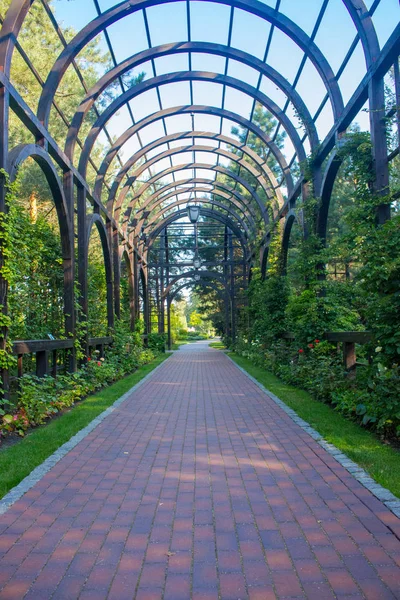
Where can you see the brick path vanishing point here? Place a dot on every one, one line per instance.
(198, 487)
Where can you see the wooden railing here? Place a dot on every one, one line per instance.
(44, 349)
(348, 341)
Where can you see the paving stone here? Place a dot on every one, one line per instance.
(199, 485)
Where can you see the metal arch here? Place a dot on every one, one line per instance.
(208, 213)
(138, 222)
(247, 215)
(211, 182)
(184, 166)
(180, 76)
(16, 157)
(95, 219)
(264, 252)
(331, 171)
(210, 274)
(184, 47)
(201, 109)
(14, 19)
(127, 7)
(269, 176)
(208, 150)
(177, 193)
(201, 201)
(365, 29)
(290, 219)
(182, 150)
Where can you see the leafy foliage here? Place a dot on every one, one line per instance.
(308, 305)
(40, 398)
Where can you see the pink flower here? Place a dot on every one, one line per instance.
(317, 341)
(311, 345)
(89, 358)
(15, 418)
(301, 351)
(99, 363)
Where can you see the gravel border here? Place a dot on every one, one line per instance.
(383, 494)
(40, 471)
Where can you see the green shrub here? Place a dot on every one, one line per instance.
(39, 398)
(157, 341)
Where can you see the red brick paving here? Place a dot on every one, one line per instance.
(198, 487)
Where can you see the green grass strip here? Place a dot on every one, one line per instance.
(179, 343)
(217, 345)
(17, 461)
(381, 461)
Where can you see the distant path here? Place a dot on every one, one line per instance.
(198, 487)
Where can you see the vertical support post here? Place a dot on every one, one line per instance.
(228, 298)
(167, 281)
(376, 92)
(232, 284)
(169, 341)
(131, 290)
(396, 71)
(82, 263)
(54, 364)
(69, 270)
(4, 111)
(161, 307)
(109, 276)
(42, 363)
(157, 296)
(349, 355)
(136, 298)
(20, 365)
(114, 243)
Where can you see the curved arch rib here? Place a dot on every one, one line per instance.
(176, 151)
(266, 171)
(169, 78)
(176, 48)
(206, 166)
(128, 7)
(139, 220)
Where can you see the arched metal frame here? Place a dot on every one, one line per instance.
(196, 109)
(266, 172)
(371, 88)
(216, 189)
(96, 220)
(196, 148)
(205, 212)
(189, 166)
(198, 47)
(241, 222)
(16, 158)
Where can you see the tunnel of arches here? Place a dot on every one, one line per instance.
(196, 116)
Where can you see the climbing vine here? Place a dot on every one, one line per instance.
(7, 360)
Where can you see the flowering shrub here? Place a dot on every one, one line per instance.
(371, 396)
(39, 398)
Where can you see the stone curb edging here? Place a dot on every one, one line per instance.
(40, 471)
(383, 494)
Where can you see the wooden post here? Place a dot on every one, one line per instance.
(54, 364)
(42, 363)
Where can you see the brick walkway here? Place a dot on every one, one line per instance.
(198, 487)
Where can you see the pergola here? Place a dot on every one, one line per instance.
(138, 202)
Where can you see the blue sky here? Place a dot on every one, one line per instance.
(210, 23)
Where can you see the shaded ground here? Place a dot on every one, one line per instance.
(199, 487)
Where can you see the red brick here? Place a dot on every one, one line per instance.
(211, 460)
